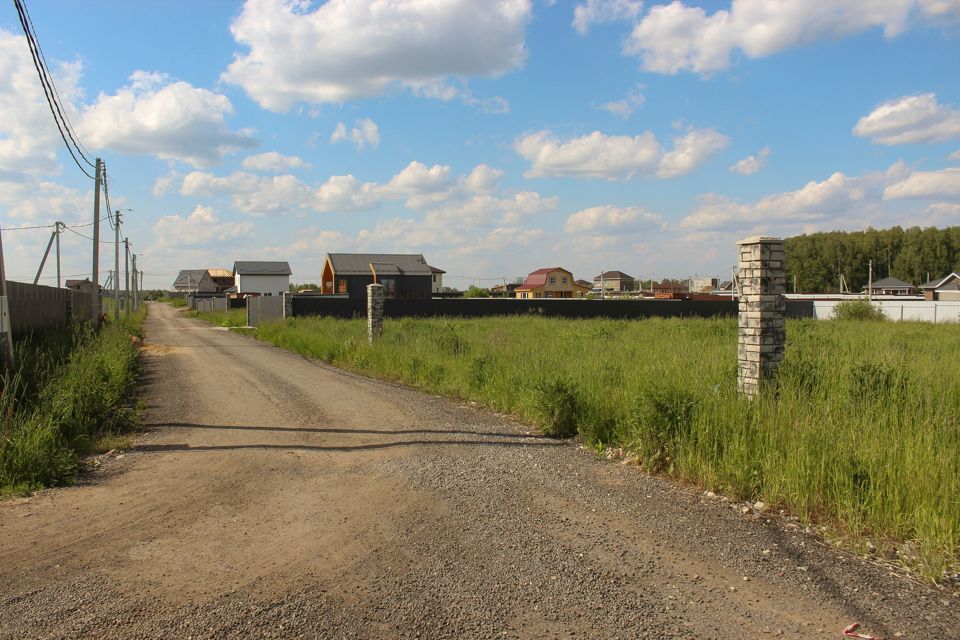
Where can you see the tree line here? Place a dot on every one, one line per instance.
(913, 255)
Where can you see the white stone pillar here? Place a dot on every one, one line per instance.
(763, 310)
(374, 312)
(287, 305)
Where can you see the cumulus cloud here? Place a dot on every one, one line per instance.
(346, 193)
(162, 185)
(172, 120)
(250, 193)
(43, 200)
(483, 179)
(597, 155)
(273, 161)
(910, 120)
(751, 164)
(944, 183)
(485, 210)
(625, 107)
(597, 11)
(954, 156)
(610, 219)
(200, 227)
(675, 37)
(343, 51)
(364, 133)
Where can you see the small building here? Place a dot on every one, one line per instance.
(216, 281)
(551, 282)
(403, 275)
(584, 283)
(80, 285)
(437, 282)
(945, 288)
(188, 280)
(890, 287)
(504, 290)
(614, 281)
(260, 277)
(701, 284)
(669, 290)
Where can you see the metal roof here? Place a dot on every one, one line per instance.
(891, 283)
(261, 268)
(189, 277)
(613, 275)
(538, 278)
(356, 264)
(939, 282)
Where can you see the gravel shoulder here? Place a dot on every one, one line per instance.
(275, 496)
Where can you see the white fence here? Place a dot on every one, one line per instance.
(908, 310)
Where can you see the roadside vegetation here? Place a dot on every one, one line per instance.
(176, 302)
(68, 395)
(862, 435)
(230, 318)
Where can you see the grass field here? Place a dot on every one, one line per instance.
(231, 318)
(863, 434)
(66, 396)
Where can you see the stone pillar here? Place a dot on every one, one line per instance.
(763, 309)
(287, 305)
(374, 311)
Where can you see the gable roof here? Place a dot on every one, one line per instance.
(891, 283)
(612, 275)
(939, 282)
(189, 277)
(220, 273)
(358, 264)
(538, 278)
(261, 268)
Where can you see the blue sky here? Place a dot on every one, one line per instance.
(494, 137)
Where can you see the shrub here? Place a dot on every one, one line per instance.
(857, 310)
(559, 404)
(661, 417)
(476, 292)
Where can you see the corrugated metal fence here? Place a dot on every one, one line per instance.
(35, 307)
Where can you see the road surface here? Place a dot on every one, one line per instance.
(274, 496)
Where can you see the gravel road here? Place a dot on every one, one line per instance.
(277, 497)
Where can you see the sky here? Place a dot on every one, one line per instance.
(495, 137)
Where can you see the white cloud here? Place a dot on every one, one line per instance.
(606, 219)
(42, 200)
(910, 120)
(944, 183)
(676, 37)
(364, 133)
(597, 11)
(751, 164)
(597, 155)
(483, 179)
(484, 210)
(201, 227)
(954, 156)
(346, 193)
(253, 194)
(625, 108)
(169, 120)
(163, 184)
(344, 51)
(273, 161)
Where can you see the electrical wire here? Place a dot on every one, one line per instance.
(47, 83)
(71, 230)
(41, 226)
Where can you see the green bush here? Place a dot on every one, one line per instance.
(857, 310)
(559, 404)
(660, 419)
(474, 291)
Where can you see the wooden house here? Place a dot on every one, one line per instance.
(551, 282)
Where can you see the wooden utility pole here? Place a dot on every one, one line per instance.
(43, 260)
(116, 268)
(136, 299)
(6, 349)
(126, 273)
(59, 228)
(95, 278)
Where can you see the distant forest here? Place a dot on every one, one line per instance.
(912, 255)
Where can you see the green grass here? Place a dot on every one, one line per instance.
(230, 318)
(176, 302)
(67, 396)
(863, 434)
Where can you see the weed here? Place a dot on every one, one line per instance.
(559, 404)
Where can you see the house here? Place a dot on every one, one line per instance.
(80, 285)
(890, 287)
(504, 290)
(552, 282)
(614, 281)
(216, 281)
(702, 284)
(668, 290)
(437, 282)
(946, 288)
(188, 280)
(583, 283)
(402, 275)
(264, 278)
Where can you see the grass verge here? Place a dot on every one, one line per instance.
(230, 318)
(67, 396)
(862, 435)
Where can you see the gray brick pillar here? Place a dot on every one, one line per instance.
(763, 310)
(287, 305)
(374, 311)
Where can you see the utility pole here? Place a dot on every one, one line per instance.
(6, 349)
(59, 227)
(126, 271)
(116, 268)
(95, 277)
(136, 301)
(141, 280)
(43, 260)
(870, 281)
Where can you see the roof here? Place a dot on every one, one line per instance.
(613, 275)
(189, 277)
(583, 283)
(436, 270)
(356, 264)
(220, 273)
(538, 278)
(261, 268)
(671, 286)
(939, 282)
(891, 283)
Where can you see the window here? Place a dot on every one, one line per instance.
(342, 285)
(434, 277)
(563, 280)
(553, 279)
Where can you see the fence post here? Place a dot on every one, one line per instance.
(762, 312)
(287, 304)
(374, 311)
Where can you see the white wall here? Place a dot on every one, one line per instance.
(916, 310)
(437, 283)
(275, 285)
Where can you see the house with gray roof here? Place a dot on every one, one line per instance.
(188, 280)
(403, 275)
(945, 288)
(261, 277)
(890, 287)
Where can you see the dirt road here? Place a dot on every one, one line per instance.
(278, 497)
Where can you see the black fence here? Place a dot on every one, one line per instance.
(341, 307)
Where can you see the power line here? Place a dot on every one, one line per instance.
(49, 90)
(71, 230)
(41, 226)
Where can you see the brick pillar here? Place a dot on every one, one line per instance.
(374, 311)
(763, 308)
(287, 305)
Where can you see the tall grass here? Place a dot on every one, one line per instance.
(862, 432)
(228, 318)
(68, 388)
